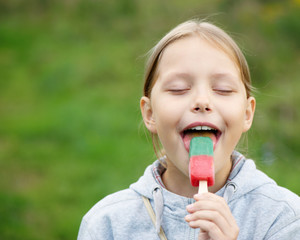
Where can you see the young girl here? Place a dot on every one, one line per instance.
(197, 82)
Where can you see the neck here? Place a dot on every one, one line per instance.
(179, 185)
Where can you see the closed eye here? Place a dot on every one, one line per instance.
(178, 91)
(224, 91)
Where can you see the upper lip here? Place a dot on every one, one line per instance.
(196, 124)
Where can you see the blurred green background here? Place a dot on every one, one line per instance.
(70, 82)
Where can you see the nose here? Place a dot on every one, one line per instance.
(201, 103)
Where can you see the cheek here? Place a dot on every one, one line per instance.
(236, 118)
(164, 120)
(167, 116)
(234, 114)
(166, 112)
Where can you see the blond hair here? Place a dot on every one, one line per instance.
(208, 32)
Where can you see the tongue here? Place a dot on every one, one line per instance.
(188, 137)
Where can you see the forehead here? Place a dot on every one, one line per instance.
(194, 51)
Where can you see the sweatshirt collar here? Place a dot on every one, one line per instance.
(238, 161)
(241, 178)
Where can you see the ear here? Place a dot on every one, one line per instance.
(249, 114)
(147, 113)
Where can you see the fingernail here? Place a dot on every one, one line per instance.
(198, 195)
(188, 217)
(189, 207)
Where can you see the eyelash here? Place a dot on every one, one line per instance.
(223, 91)
(178, 91)
(184, 90)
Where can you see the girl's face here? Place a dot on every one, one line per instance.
(197, 85)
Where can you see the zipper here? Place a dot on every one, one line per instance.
(192, 232)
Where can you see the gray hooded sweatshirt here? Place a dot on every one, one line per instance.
(262, 209)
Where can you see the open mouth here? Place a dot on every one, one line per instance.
(200, 131)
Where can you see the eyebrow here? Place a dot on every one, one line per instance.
(217, 76)
(171, 76)
(225, 75)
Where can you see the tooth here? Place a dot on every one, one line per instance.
(199, 128)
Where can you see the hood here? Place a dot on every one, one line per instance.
(244, 177)
(146, 184)
(151, 187)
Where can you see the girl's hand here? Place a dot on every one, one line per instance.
(212, 215)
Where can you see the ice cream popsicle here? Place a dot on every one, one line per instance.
(201, 166)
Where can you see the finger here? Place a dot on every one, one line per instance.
(213, 208)
(212, 231)
(211, 217)
(214, 217)
(203, 236)
(208, 198)
(209, 201)
(216, 226)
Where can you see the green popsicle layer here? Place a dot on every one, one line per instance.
(201, 146)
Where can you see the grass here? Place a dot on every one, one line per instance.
(70, 83)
